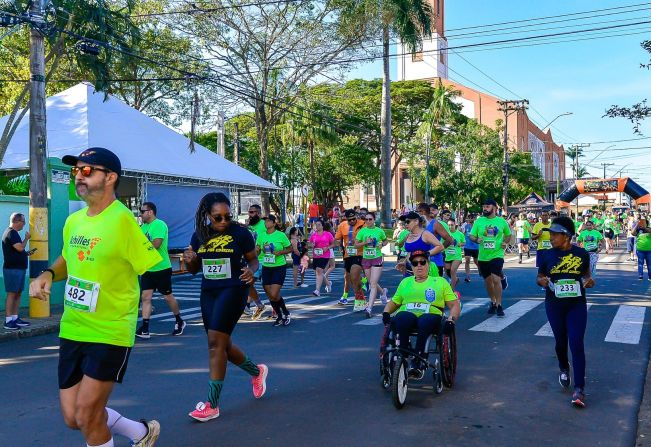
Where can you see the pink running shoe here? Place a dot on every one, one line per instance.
(260, 382)
(204, 412)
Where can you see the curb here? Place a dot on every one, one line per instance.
(643, 437)
(46, 328)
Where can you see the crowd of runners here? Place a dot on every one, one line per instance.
(105, 252)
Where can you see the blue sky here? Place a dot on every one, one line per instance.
(583, 77)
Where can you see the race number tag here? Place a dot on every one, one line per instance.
(351, 250)
(489, 245)
(269, 259)
(567, 288)
(591, 246)
(80, 294)
(217, 268)
(451, 251)
(418, 307)
(318, 252)
(370, 252)
(546, 244)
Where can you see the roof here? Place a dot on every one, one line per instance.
(79, 118)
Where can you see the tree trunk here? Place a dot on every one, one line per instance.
(263, 140)
(385, 129)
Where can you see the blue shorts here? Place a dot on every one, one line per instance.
(630, 244)
(222, 308)
(14, 280)
(274, 275)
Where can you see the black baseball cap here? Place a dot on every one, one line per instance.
(563, 225)
(96, 156)
(411, 215)
(490, 202)
(271, 217)
(418, 254)
(350, 213)
(445, 211)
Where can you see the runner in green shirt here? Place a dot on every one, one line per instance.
(103, 253)
(522, 235)
(371, 239)
(490, 231)
(159, 277)
(256, 226)
(454, 253)
(591, 240)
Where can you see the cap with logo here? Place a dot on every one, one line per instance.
(96, 156)
(411, 215)
(418, 254)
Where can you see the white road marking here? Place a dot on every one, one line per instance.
(627, 325)
(608, 259)
(546, 330)
(513, 313)
(515, 258)
(529, 261)
(472, 305)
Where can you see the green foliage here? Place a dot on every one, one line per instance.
(14, 185)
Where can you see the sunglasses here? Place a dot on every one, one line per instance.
(351, 219)
(419, 263)
(219, 218)
(86, 171)
(143, 211)
(369, 219)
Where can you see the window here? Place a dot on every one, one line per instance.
(418, 55)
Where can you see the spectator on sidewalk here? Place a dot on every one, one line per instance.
(14, 269)
(314, 212)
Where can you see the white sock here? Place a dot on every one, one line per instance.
(8, 319)
(119, 425)
(14, 317)
(109, 443)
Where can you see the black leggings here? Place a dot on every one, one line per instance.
(404, 323)
(568, 319)
(222, 308)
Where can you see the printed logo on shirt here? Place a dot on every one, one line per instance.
(217, 245)
(569, 264)
(85, 246)
(430, 295)
(491, 231)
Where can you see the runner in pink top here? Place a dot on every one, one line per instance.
(321, 242)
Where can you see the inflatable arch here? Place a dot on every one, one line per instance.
(625, 185)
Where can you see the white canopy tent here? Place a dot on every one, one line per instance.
(154, 157)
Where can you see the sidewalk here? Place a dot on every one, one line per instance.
(39, 326)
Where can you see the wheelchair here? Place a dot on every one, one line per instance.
(440, 359)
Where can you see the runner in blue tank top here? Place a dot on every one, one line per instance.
(418, 239)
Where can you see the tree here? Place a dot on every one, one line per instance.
(574, 152)
(637, 112)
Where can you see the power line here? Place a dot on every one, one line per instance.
(197, 10)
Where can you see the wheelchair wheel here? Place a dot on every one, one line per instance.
(449, 359)
(437, 379)
(399, 382)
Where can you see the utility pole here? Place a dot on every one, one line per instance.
(605, 165)
(221, 123)
(38, 213)
(508, 107)
(236, 144)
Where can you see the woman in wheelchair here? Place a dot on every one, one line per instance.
(420, 301)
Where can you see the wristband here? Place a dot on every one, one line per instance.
(51, 272)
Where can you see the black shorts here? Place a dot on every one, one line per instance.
(320, 263)
(99, 361)
(350, 261)
(160, 280)
(609, 233)
(523, 240)
(296, 259)
(273, 275)
(222, 308)
(492, 267)
(472, 252)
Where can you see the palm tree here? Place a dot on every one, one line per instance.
(410, 20)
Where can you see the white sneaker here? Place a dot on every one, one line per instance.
(304, 285)
(328, 287)
(384, 297)
(316, 293)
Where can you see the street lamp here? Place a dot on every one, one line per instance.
(550, 123)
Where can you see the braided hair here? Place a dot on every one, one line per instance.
(201, 220)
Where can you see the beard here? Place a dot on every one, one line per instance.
(487, 213)
(254, 220)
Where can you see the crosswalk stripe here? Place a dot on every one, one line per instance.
(529, 261)
(472, 305)
(370, 321)
(627, 325)
(167, 314)
(608, 259)
(513, 313)
(546, 330)
(515, 258)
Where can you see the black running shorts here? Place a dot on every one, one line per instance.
(222, 308)
(273, 275)
(350, 261)
(99, 361)
(160, 280)
(492, 267)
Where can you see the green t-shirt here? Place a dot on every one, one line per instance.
(454, 252)
(609, 222)
(598, 223)
(257, 229)
(104, 255)
(644, 241)
(491, 232)
(158, 230)
(590, 239)
(523, 227)
(269, 243)
(373, 249)
(424, 297)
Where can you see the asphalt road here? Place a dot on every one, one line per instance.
(324, 388)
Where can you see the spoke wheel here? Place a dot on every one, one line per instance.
(399, 383)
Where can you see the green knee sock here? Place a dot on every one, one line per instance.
(214, 390)
(250, 367)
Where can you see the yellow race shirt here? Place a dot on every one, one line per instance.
(104, 256)
(544, 241)
(424, 297)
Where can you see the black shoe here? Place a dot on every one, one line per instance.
(564, 378)
(287, 320)
(578, 398)
(499, 311)
(141, 333)
(279, 321)
(492, 308)
(467, 280)
(505, 283)
(416, 370)
(178, 328)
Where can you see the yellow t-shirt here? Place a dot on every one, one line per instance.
(427, 297)
(544, 241)
(104, 256)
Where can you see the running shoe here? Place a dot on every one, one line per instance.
(416, 370)
(11, 325)
(505, 283)
(22, 323)
(578, 398)
(384, 297)
(492, 308)
(304, 286)
(328, 287)
(248, 311)
(641, 278)
(365, 284)
(316, 293)
(499, 311)
(140, 333)
(368, 313)
(358, 306)
(259, 310)
(343, 301)
(287, 320)
(564, 378)
(279, 321)
(204, 412)
(259, 382)
(467, 280)
(153, 432)
(178, 329)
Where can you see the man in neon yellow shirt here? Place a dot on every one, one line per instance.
(543, 238)
(103, 253)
